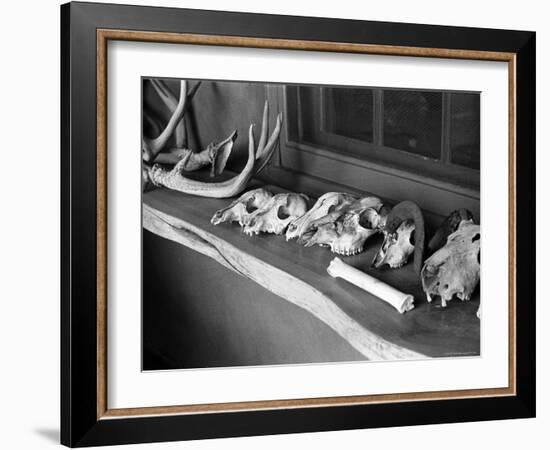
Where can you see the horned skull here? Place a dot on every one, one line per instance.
(397, 246)
(349, 232)
(403, 235)
(327, 203)
(448, 226)
(454, 268)
(275, 215)
(241, 209)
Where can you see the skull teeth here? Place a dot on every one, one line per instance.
(347, 252)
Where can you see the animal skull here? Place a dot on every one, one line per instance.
(397, 246)
(347, 234)
(355, 206)
(327, 203)
(276, 214)
(241, 209)
(454, 268)
(449, 225)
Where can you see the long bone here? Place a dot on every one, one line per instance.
(399, 300)
(257, 159)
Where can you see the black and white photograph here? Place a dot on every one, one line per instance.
(293, 258)
(299, 223)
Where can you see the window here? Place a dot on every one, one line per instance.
(431, 135)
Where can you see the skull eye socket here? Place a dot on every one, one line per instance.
(367, 219)
(411, 237)
(282, 213)
(250, 206)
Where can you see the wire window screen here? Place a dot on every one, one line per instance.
(349, 112)
(412, 122)
(465, 130)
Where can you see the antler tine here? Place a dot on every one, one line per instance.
(194, 90)
(265, 130)
(165, 94)
(151, 147)
(170, 101)
(152, 121)
(267, 152)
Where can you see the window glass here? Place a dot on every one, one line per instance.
(348, 112)
(465, 123)
(412, 122)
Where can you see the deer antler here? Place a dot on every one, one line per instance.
(257, 159)
(215, 154)
(171, 103)
(152, 147)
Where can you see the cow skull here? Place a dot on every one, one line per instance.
(454, 268)
(276, 214)
(241, 209)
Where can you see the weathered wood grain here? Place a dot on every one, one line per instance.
(277, 281)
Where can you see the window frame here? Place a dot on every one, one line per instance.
(416, 165)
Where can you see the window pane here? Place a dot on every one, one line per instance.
(465, 119)
(412, 122)
(348, 112)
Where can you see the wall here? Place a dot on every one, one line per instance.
(29, 231)
(197, 313)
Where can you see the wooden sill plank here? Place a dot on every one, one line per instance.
(298, 274)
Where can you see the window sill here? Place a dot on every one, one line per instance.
(385, 168)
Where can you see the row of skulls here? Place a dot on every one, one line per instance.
(344, 222)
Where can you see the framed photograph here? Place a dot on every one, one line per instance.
(274, 224)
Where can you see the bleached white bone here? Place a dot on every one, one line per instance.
(399, 300)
